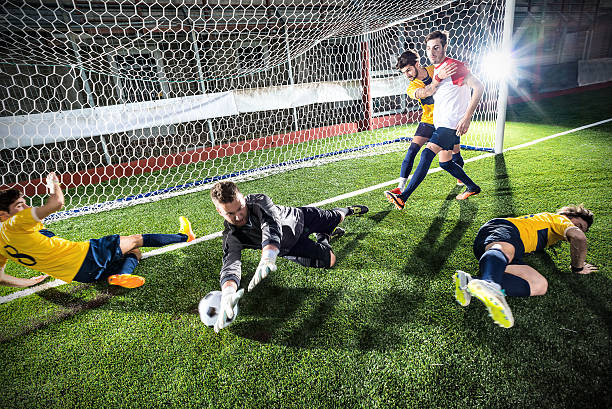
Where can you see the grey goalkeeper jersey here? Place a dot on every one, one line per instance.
(267, 224)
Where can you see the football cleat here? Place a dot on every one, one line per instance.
(126, 280)
(337, 233)
(396, 191)
(358, 210)
(460, 183)
(462, 295)
(396, 200)
(466, 194)
(494, 299)
(186, 228)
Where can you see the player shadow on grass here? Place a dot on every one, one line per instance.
(351, 240)
(572, 287)
(504, 198)
(424, 264)
(429, 256)
(303, 317)
(294, 317)
(68, 305)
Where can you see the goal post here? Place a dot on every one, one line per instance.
(132, 101)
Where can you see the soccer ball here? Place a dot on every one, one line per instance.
(209, 308)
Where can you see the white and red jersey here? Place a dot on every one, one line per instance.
(452, 98)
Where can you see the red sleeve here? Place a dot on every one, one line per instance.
(462, 72)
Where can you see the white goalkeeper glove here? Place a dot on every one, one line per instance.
(229, 299)
(266, 265)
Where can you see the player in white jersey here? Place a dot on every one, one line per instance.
(456, 99)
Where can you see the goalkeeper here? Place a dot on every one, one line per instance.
(24, 240)
(255, 222)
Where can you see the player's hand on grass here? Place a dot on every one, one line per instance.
(588, 269)
(229, 299)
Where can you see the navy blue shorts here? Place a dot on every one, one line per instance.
(499, 230)
(103, 258)
(425, 130)
(445, 138)
(315, 221)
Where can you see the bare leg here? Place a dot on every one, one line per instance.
(129, 243)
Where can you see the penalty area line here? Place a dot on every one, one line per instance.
(161, 250)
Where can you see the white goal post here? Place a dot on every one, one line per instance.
(132, 101)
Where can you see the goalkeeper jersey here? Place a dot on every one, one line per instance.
(22, 242)
(541, 230)
(427, 104)
(268, 223)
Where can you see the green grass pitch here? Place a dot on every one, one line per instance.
(380, 330)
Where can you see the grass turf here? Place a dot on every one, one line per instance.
(381, 329)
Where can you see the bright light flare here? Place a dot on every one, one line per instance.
(498, 66)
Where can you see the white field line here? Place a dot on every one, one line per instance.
(161, 250)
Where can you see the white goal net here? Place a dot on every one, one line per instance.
(132, 101)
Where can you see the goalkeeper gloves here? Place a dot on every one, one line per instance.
(229, 299)
(266, 265)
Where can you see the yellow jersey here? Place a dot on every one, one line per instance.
(541, 230)
(427, 104)
(22, 242)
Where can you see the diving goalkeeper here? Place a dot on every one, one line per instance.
(255, 222)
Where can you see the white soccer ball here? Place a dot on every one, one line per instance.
(209, 308)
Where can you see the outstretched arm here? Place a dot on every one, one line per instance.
(55, 201)
(578, 251)
(441, 74)
(10, 281)
(477, 91)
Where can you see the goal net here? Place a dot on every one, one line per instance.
(132, 101)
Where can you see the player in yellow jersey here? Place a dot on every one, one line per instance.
(500, 246)
(421, 88)
(24, 240)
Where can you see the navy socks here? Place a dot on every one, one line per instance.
(492, 266)
(515, 286)
(408, 161)
(419, 174)
(458, 159)
(458, 172)
(160, 240)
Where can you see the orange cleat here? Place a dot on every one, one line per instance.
(395, 191)
(466, 194)
(126, 280)
(395, 199)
